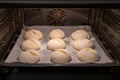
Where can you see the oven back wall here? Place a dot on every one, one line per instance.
(56, 16)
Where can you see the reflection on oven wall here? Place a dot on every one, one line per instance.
(56, 16)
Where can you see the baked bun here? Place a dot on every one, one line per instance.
(80, 34)
(57, 33)
(88, 55)
(31, 44)
(29, 56)
(80, 44)
(56, 43)
(60, 56)
(33, 34)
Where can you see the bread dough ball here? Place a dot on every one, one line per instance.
(31, 44)
(29, 56)
(88, 55)
(60, 56)
(80, 34)
(80, 44)
(31, 34)
(57, 33)
(56, 43)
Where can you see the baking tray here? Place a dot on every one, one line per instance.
(13, 56)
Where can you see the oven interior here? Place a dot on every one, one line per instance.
(104, 23)
(105, 27)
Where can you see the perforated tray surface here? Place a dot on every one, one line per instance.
(12, 57)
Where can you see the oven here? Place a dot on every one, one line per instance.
(101, 19)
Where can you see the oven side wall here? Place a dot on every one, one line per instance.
(105, 24)
(10, 27)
